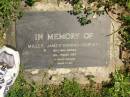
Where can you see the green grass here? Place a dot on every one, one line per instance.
(2, 40)
(119, 86)
(68, 88)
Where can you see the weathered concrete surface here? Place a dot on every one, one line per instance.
(55, 76)
(10, 36)
(49, 6)
(87, 46)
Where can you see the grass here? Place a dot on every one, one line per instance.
(2, 40)
(117, 87)
(68, 88)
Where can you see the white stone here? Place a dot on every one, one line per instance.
(63, 71)
(41, 6)
(82, 69)
(101, 8)
(4, 36)
(59, 71)
(92, 4)
(52, 72)
(36, 71)
(95, 16)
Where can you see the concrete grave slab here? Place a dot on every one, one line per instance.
(56, 39)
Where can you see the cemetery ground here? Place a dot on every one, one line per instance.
(118, 84)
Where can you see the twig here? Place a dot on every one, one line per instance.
(120, 29)
(115, 32)
(111, 16)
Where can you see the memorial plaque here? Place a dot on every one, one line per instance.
(56, 39)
